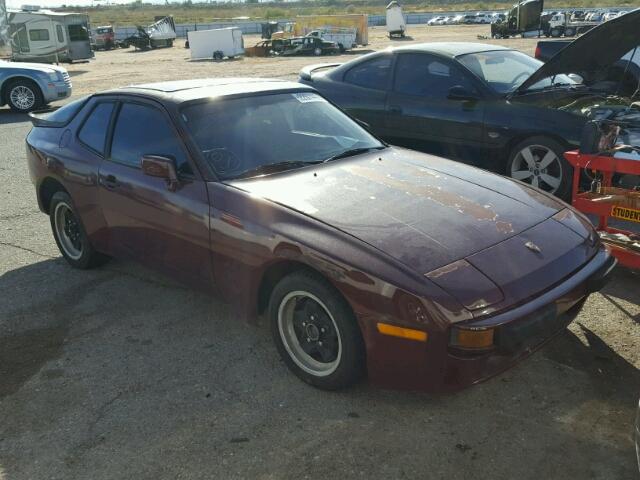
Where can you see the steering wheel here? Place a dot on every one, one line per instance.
(222, 160)
(521, 74)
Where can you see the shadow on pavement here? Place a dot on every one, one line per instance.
(7, 116)
(119, 373)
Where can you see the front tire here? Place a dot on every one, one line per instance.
(317, 52)
(539, 161)
(316, 332)
(24, 96)
(70, 235)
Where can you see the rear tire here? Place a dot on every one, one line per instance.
(24, 96)
(70, 235)
(317, 52)
(539, 161)
(316, 332)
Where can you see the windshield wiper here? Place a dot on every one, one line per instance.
(352, 152)
(572, 86)
(274, 167)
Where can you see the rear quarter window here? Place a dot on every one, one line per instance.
(374, 73)
(93, 132)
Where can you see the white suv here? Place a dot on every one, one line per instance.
(483, 18)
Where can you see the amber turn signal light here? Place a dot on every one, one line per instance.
(395, 331)
(472, 339)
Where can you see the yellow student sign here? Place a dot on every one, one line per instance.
(624, 213)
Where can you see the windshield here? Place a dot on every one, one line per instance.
(505, 70)
(241, 135)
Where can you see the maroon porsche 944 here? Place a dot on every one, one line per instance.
(367, 259)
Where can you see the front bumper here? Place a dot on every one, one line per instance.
(58, 90)
(434, 367)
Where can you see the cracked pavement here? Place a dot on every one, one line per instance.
(119, 373)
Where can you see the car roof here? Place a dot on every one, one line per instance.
(449, 49)
(184, 90)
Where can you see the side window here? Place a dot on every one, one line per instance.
(40, 34)
(60, 34)
(372, 74)
(94, 130)
(143, 130)
(427, 76)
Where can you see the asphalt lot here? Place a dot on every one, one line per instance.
(119, 373)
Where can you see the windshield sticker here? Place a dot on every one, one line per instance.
(308, 97)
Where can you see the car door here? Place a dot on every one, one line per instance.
(363, 91)
(423, 114)
(166, 229)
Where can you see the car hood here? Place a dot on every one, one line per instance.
(582, 102)
(424, 211)
(594, 51)
(38, 67)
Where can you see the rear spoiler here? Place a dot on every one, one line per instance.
(306, 72)
(39, 117)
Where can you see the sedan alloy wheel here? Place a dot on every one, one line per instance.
(22, 97)
(539, 166)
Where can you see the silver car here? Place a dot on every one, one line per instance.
(31, 86)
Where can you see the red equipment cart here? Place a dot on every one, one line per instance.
(609, 202)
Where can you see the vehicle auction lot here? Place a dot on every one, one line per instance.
(121, 373)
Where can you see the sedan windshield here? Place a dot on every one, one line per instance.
(505, 70)
(255, 135)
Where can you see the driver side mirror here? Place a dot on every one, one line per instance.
(458, 92)
(161, 167)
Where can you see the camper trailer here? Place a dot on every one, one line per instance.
(396, 25)
(44, 36)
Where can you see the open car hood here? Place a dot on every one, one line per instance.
(594, 51)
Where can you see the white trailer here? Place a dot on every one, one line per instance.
(44, 36)
(216, 44)
(396, 25)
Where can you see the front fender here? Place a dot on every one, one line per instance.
(250, 234)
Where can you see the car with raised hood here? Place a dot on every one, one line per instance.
(31, 86)
(366, 258)
(487, 105)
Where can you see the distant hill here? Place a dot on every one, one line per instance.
(188, 12)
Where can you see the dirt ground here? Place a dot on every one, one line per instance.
(118, 68)
(118, 373)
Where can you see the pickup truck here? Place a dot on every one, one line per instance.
(344, 37)
(623, 75)
(31, 86)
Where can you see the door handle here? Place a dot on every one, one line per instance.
(110, 182)
(395, 109)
